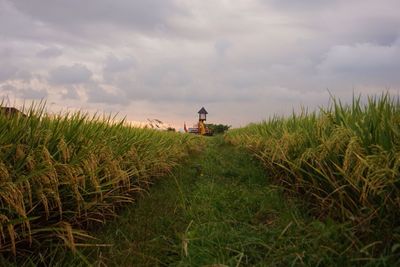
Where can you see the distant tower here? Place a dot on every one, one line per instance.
(202, 114)
(202, 118)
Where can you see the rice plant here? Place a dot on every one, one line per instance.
(61, 175)
(343, 160)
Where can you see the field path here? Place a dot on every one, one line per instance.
(218, 210)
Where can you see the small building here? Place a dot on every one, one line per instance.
(202, 114)
(11, 111)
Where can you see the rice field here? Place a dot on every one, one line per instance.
(61, 175)
(343, 161)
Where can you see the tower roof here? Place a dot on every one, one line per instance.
(202, 111)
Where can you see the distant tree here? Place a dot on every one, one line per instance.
(218, 128)
(170, 129)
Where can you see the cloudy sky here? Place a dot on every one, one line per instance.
(243, 60)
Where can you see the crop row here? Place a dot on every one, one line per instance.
(59, 175)
(344, 161)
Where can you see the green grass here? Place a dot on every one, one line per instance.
(221, 208)
(343, 162)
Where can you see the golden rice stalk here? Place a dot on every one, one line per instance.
(3, 221)
(30, 163)
(351, 154)
(19, 152)
(46, 156)
(67, 235)
(64, 150)
(43, 199)
(4, 174)
(12, 234)
(27, 190)
(11, 196)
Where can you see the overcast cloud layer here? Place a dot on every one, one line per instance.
(243, 60)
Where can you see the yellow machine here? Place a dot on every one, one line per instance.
(202, 128)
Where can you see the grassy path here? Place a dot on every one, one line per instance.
(220, 210)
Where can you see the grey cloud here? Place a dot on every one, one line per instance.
(168, 74)
(7, 72)
(23, 29)
(343, 22)
(74, 14)
(366, 63)
(5, 53)
(242, 79)
(30, 93)
(23, 75)
(168, 89)
(12, 23)
(164, 82)
(114, 64)
(74, 74)
(8, 88)
(50, 52)
(378, 29)
(183, 95)
(71, 93)
(24, 93)
(97, 94)
(265, 56)
(221, 46)
(303, 5)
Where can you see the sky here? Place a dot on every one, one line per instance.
(243, 60)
